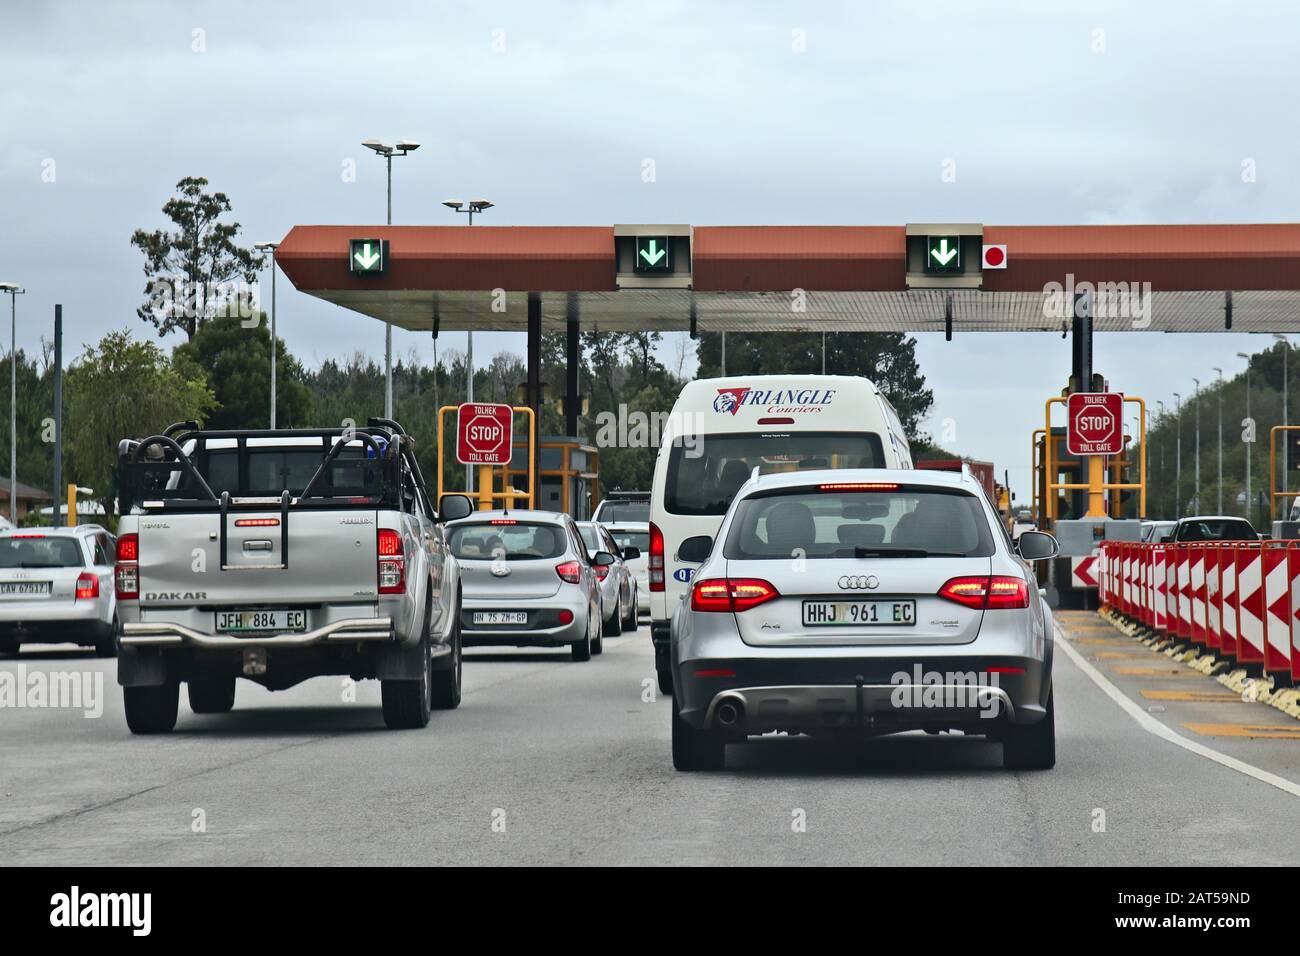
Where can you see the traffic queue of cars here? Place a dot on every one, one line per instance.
(800, 576)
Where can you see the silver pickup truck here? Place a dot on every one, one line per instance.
(278, 556)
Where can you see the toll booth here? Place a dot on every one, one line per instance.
(568, 474)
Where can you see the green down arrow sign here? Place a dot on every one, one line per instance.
(652, 255)
(942, 254)
(366, 255)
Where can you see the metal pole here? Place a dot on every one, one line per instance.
(56, 516)
(1286, 420)
(1220, 496)
(388, 326)
(823, 353)
(724, 353)
(1196, 401)
(1248, 444)
(1178, 457)
(13, 408)
(273, 341)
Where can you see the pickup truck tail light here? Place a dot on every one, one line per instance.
(987, 593)
(656, 560)
(87, 586)
(392, 563)
(570, 572)
(731, 594)
(126, 573)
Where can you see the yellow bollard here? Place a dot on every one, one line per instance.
(72, 506)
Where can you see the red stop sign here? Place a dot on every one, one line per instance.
(483, 434)
(1094, 426)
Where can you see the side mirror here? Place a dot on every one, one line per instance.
(631, 553)
(696, 549)
(1166, 539)
(1036, 545)
(454, 507)
(603, 559)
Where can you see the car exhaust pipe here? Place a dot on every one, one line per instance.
(729, 712)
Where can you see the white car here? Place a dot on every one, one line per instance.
(635, 534)
(56, 587)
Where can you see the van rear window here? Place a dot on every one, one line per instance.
(705, 474)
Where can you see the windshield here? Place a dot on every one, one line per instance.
(40, 552)
(703, 479)
(631, 539)
(623, 511)
(507, 542)
(1155, 532)
(906, 522)
(1222, 529)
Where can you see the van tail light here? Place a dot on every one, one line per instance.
(87, 586)
(126, 572)
(655, 564)
(391, 562)
(987, 593)
(570, 572)
(731, 594)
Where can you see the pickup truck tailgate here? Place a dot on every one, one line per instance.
(331, 558)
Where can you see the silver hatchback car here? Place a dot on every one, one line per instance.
(527, 581)
(862, 602)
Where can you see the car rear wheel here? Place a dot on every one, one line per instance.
(152, 710)
(696, 749)
(629, 622)
(408, 703)
(614, 626)
(446, 684)
(1031, 746)
(581, 650)
(215, 695)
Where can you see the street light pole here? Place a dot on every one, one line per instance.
(1196, 401)
(1286, 420)
(388, 151)
(471, 207)
(271, 247)
(1251, 426)
(14, 292)
(1220, 496)
(1178, 456)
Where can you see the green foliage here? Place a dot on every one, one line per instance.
(119, 389)
(195, 260)
(35, 407)
(237, 362)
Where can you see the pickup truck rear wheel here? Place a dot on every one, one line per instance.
(152, 710)
(446, 684)
(214, 695)
(407, 703)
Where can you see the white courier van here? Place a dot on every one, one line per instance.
(720, 430)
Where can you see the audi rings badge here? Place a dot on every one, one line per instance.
(859, 582)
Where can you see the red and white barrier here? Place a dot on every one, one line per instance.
(1250, 604)
(1277, 608)
(1213, 598)
(1228, 599)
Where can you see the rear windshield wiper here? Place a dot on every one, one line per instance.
(860, 552)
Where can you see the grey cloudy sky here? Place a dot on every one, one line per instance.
(549, 110)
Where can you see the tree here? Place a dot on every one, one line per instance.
(236, 360)
(123, 389)
(887, 358)
(196, 272)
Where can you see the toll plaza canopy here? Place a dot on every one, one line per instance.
(919, 277)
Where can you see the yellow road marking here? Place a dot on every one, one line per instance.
(1254, 731)
(1116, 641)
(1121, 656)
(1157, 672)
(1200, 696)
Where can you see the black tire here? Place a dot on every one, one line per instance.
(152, 710)
(614, 626)
(447, 684)
(408, 704)
(215, 695)
(696, 749)
(581, 650)
(629, 622)
(1031, 746)
(665, 681)
(106, 644)
(8, 647)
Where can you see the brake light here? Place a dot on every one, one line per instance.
(566, 617)
(731, 594)
(87, 586)
(776, 421)
(126, 573)
(716, 672)
(655, 563)
(504, 521)
(859, 486)
(570, 572)
(27, 536)
(391, 562)
(602, 571)
(985, 593)
(257, 522)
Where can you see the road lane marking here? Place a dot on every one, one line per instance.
(1120, 656)
(1180, 672)
(1153, 726)
(1198, 696)
(1253, 731)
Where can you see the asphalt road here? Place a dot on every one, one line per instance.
(551, 762)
